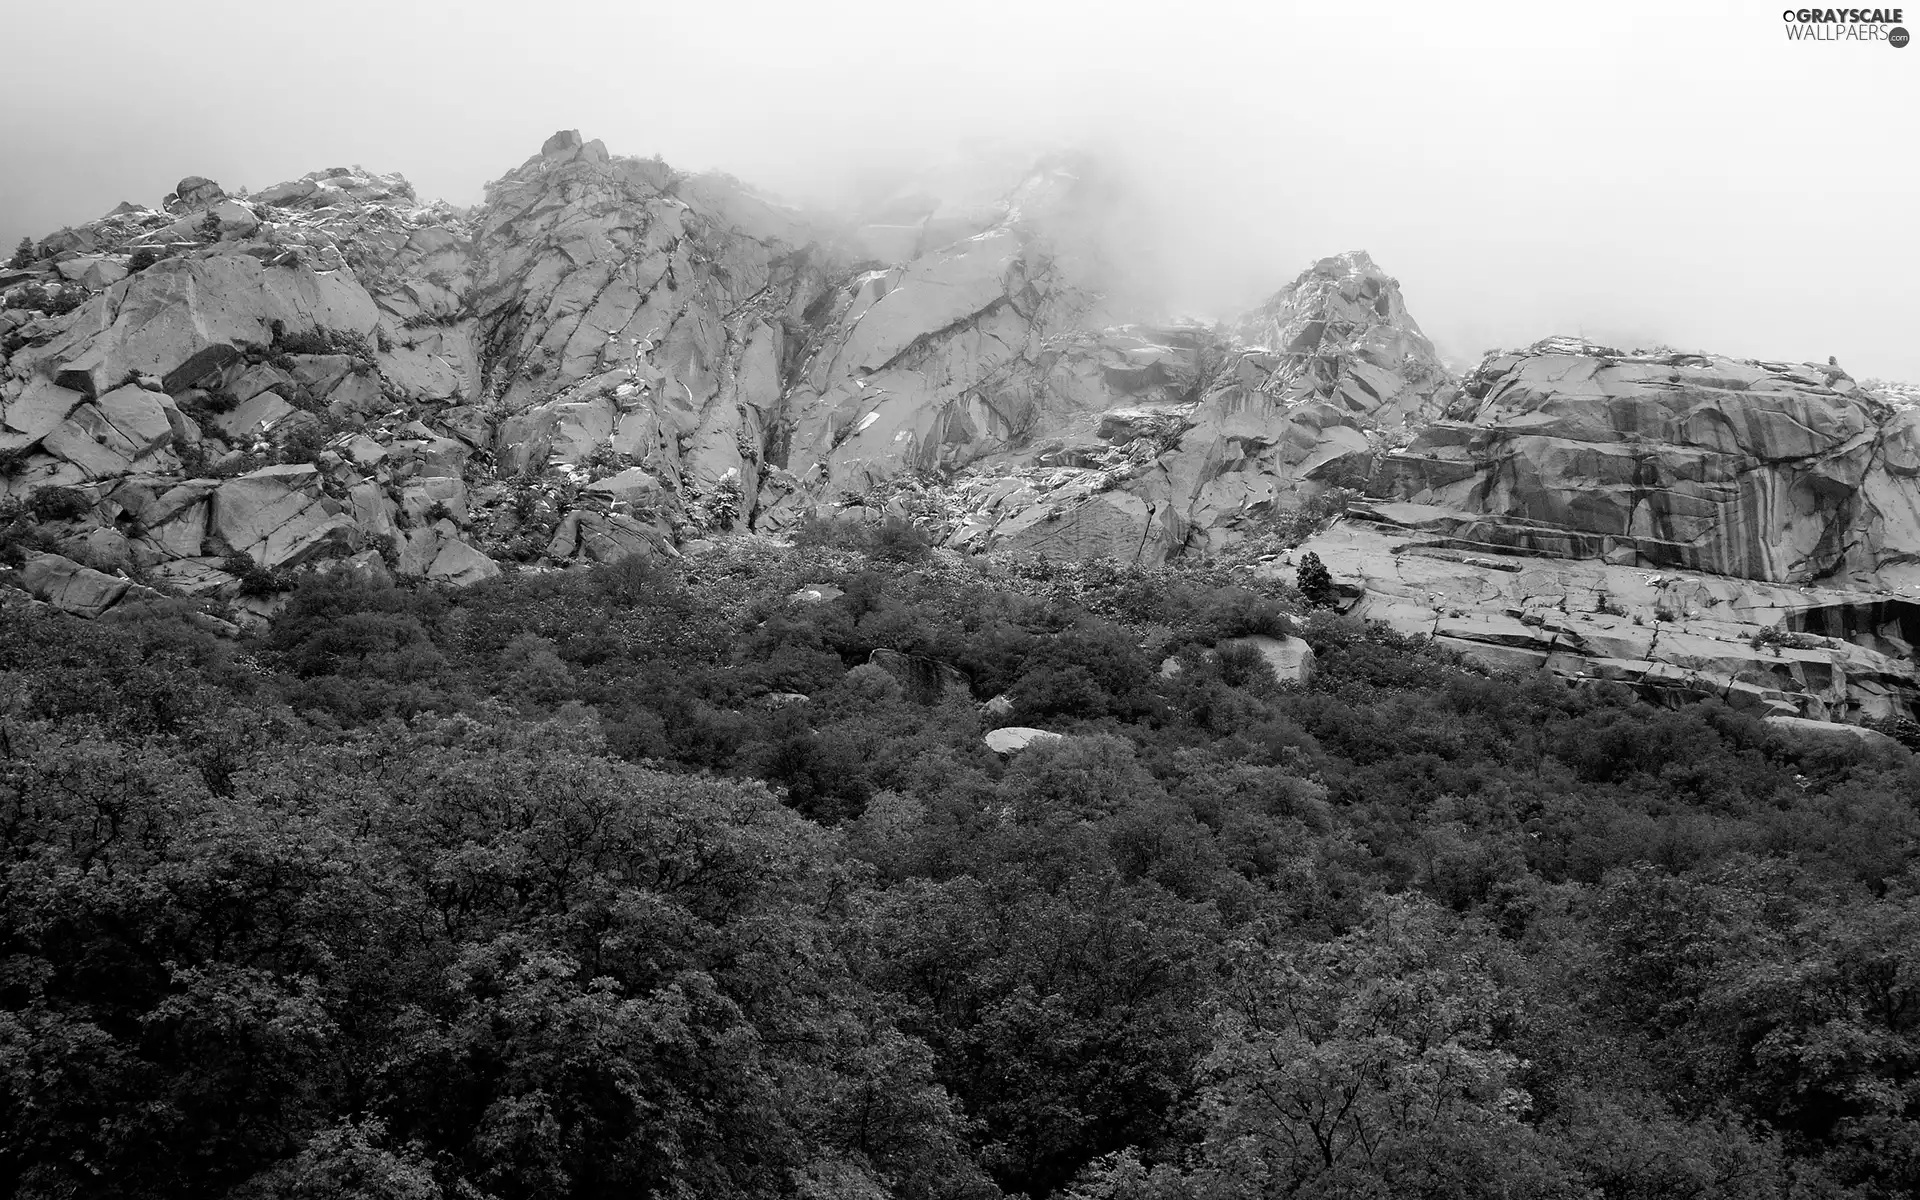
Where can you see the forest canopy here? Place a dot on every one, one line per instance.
(702, 881)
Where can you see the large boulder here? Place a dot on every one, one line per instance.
(173, 514)
(1012, 739)
(127, 430)
(145, 420)
(278, 516)
(1832, 733)
(94, 272)
(605, 538)
(460, 564)
(254, 416)
(70, 587)
(194, 191)
(39, 407)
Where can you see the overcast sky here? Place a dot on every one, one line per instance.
(1636, 171)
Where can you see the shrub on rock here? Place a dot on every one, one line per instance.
(58, 504)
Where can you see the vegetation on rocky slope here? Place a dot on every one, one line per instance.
(701, 881)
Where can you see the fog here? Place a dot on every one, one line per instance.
(1635, 172)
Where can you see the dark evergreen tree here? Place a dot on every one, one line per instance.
(1314, 581)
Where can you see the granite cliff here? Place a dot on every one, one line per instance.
(609, 357)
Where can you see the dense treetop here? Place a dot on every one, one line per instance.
(662, 882)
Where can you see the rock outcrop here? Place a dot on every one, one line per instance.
(1825, 653)
(1769, 471)
(608, 357)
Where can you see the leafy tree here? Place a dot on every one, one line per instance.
(1372, 1065)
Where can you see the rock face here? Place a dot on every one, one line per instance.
(638, 314)
(1684, 524)
(1774, 649)
(1190, 430)
(609, 357)
(1767, 471)
(183, 319)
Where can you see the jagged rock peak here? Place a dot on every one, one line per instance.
(1335, 297)
(1341, 331)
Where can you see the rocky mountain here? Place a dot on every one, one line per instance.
(610, 357)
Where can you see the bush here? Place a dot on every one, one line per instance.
(1292, 526)
(1237, 612)
(895, 539)
(1904, 730)
(59, 504)
(898, 541)
(255, 580)
(1242, 664)
(303, 445)
(38, 298)
(18, 538)
(320, 341)
(142, 258)
(834, 533)
(22, 255)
